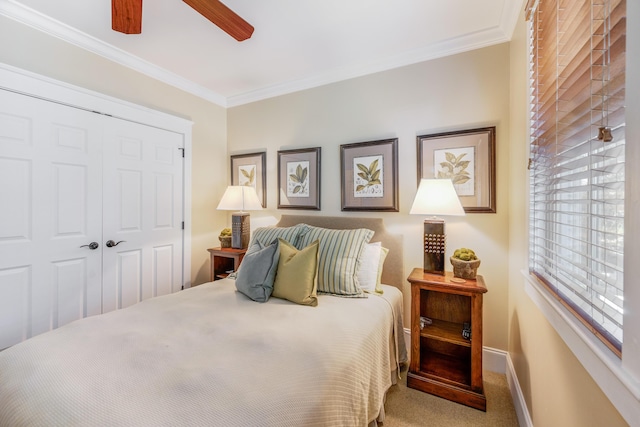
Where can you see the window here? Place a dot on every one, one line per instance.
(577, 158)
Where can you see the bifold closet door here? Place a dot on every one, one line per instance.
(143, 186)
(91, 211)
(50, 212)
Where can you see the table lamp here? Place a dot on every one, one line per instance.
(435, 197)
(240, 198)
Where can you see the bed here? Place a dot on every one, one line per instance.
(210, 355)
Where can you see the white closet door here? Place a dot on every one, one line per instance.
(143, 200)
(50, 206)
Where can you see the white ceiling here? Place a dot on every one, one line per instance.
(297, 44)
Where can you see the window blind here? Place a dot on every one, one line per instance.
(577, 53)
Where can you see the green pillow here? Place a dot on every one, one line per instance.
(296, 276)
(258, 270)
(338, 258)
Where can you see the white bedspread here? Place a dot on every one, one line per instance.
(209, 356)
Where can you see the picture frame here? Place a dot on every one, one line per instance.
(468, 158)
(250, 169)
(299, 179)
(369, 176)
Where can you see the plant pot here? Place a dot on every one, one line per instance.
(464, 269)
(225, 241)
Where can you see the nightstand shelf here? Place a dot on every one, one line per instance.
(443, 361)
(224, 261)
(442, 330)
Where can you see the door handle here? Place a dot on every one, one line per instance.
(92, 245)
(111, 243)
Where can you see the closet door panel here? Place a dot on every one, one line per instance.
(51, 191)
(143, 182)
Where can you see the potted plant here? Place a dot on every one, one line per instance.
(465, 263)
(225, 238)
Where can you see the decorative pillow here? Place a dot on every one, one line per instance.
(296, 277)
(339, 257)
(383, 256)
(266, 235)
(258, 270)
(368, 270)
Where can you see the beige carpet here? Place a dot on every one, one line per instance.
(406, 407)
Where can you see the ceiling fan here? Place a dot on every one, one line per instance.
(126, 17)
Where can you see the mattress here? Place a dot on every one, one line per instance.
(210, 356)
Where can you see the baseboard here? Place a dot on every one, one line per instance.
(522, 412)
(495, 360)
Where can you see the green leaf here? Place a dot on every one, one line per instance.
(376, 175)
(293, 178)
(363, 176)
(446, 165)
(245, 173)
(460, 157)
(460, 179)
(304, 175)
(451, 158)
(464, 164)
(297, 189)
(363, 168)
(373, 166)
(374, 182)
(360, 188)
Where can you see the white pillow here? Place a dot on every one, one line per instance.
(369, 262)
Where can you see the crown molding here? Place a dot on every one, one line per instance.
(487, 37)
(510, 16)
(447, 47)
(34, 19)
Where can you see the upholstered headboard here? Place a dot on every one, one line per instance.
(393, 272)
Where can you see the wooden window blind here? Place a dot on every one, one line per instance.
(577, 53)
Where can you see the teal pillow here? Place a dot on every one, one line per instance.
(266, 235)
(339, 255)
(257, 272)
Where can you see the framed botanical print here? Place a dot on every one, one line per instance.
(370, 176)
(299, 179)
(250, 170)
(467, 157)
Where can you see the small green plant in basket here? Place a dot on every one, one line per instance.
(465, 263)
(225, 238)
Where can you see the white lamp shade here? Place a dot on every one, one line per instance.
(436, 197)
(240, 198)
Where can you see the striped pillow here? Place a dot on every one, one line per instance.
(266, 235)
(338, 258)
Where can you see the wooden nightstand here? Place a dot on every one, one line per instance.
(224, 260)
(443, 362)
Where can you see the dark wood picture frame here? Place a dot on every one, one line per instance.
(299, 179)
(369, 176)
(468, 157)
(251, 169)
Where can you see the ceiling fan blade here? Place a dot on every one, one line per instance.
(223, 17)
(126, 16)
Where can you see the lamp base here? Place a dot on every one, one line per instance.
(240, 230)
(434, 246)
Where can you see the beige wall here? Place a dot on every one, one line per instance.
(31, 50)
(558, 391)
(459, 92)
